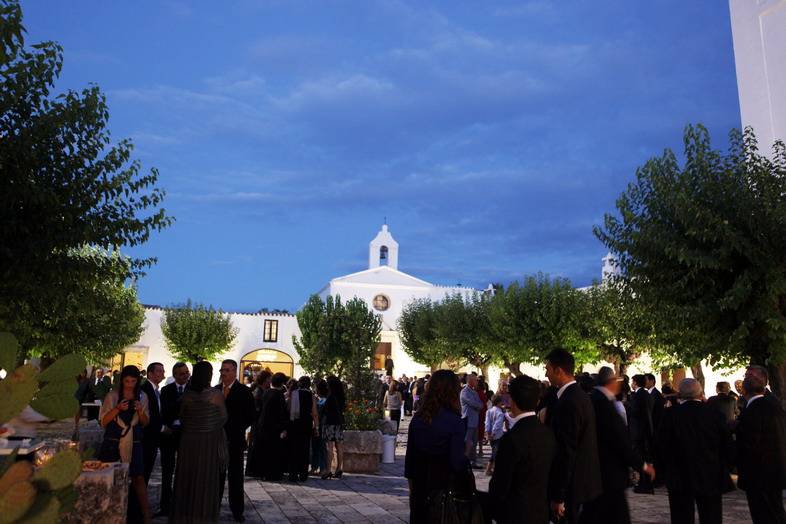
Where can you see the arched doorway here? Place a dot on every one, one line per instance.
(272, 360)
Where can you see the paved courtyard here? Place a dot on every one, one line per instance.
(382, 497)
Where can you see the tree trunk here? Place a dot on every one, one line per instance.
(698, 373)
(484, 370)
(777, 374)
(515, 368)
(436, 367)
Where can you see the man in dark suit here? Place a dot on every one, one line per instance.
(575, 478)
(151, 434)
(693, 455)
(615, 453)
(519, 485)
(724, 403)
(641, 427)
(761, 449)
(170, 432)
(303, 419)
(658, 402)
(240, 415)
(100, 385)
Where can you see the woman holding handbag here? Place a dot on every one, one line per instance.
(123, 414)
(440, 481)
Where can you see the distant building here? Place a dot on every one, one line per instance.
(759, 32)
(387, 290)
(264, 341)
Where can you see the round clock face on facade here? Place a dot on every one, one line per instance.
(381, 303)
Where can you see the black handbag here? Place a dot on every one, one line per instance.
(458, 504)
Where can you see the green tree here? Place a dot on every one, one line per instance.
(195, 332)
(462, 329)
(96, 319)
(64, 187)
(339, 339)
(703, 244)
(417, 327)
(617, 324)
(530, 319)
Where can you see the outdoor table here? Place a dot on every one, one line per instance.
(102, 496)
(26, 447)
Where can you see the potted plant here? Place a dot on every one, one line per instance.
(362, 439)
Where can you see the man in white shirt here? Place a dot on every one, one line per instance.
(495, 429)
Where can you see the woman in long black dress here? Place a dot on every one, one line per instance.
(202, 456)
(435, 445)
(271, 431)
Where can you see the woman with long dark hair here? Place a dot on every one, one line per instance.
(123, 414)
(435, 444)
(202, 456)
(333, 428)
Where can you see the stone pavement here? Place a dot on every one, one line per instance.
(382, 497)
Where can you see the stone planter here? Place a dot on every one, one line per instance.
(362, 451)
(102, 496)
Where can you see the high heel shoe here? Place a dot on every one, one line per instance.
(326, 476)
(338, 473)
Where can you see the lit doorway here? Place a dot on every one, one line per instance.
(266, 359)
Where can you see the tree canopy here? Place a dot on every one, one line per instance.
(702, 243)
(193, 332)
(64, 189)
(339, 339)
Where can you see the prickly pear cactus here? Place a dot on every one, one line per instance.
(61, 471)
(45, 510)
(16, 501)
(16, 391)
(18, 472)
(29, 496)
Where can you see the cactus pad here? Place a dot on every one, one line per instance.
(16, 390)
(18, 472)
(8, 351)
(45, 510)
(61, 471)
(56, 400)
(64, 369)
(16, 501)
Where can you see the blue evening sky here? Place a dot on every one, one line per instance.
(491, 135)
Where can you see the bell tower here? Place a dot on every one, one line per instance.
(383, 250)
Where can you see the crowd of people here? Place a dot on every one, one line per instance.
(201, 432)
(567, 449)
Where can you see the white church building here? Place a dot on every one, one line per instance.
(387, 291)
(264, 340)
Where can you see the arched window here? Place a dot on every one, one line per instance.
(383, 256)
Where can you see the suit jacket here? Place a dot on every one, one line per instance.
(694, 450)
(761, 444)
(99, 391)
(658, 406)
(470, 406)
(519, 486)
(240, 413)
(615, 450)
(576, 474)
(726, 405)
(152, 432)
(640, 419)
(170, 405)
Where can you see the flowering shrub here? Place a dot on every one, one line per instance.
(361, 415)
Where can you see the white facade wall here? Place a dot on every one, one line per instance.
(759, 31)
(249, 338)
